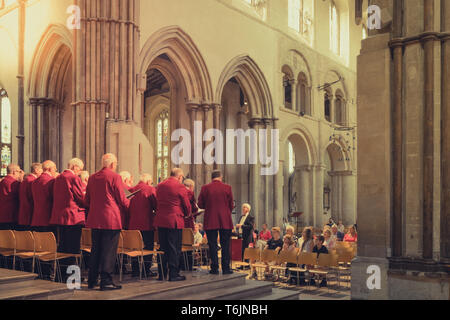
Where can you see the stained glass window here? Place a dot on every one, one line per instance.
(162, 146)
(5, 132)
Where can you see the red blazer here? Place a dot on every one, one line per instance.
(42, 190)
(217, 200)
(143, 208)
(173, 204)
(68, 203)
(26, 201)
(189, 222)
(9, 200)
(106, 201)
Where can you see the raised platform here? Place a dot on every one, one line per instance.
(16, 285)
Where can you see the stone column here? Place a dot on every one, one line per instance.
(34, 103)
(195, 169)
(304, 191)
(319, 172)
(207, 124)
(217, 109)
(255, 180)
(105, 47)
(277, 195)
(445, 141)
(293, 84)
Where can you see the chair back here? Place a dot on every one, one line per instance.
(282, 257)
(324, 260)
(307, 258)
(252, 254)
(132, 240)
(269, 255)
(86, 238)
(24, 241)
(345, 255)
(7, 239)
(292, 256)
(45, 242)
(188, 237)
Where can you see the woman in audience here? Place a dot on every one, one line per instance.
(308, 242)
(341, 227)
(351, 236)
(289, 245)
(336, 233)
(275, 243)
(330, 242)
(264, 236)
(198, 238)
(290, 232)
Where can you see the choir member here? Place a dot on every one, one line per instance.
(42, 192)
(189, 221)
(9, 198)
(68, 211)
(173, 206)
(26, 197)
(217, 200)
(106, 202)
(127, 180)
(142, 214)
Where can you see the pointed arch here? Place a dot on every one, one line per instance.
(252, 81)
(180, 48)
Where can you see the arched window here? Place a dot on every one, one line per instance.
(335, 29)
(287, 86)
(339, 106)
(5, 132)
(327, 105)
(291, 156)
(162, 146)
(304, 95)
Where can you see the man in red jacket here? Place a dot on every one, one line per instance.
(106, 203)
(142, 214)
(42, 191)
(217, 200)
(68, 207)
(26, 197)
(173, 206)
(9, 198)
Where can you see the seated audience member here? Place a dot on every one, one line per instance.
(198, 238)
(330, 222)
(341, 227)
(351, 236)
(200, 229)
(275, 243)
(330, 241)
(289, 245)
(290, 231)
(320, 248)
(336, 233)
(264, 236)
(308, 242)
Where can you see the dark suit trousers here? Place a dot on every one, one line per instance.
(225, 236)
(103, 256)
(246, 240)
(170, 240)
(69, 239)
(149, 244)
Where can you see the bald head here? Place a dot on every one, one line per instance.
(109, 161)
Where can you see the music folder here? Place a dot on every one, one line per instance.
(130, 195)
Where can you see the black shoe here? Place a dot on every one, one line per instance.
(151, 274)
(177, 278)
(227, 272)
(214, 271)
(109, 287)
(92, 286)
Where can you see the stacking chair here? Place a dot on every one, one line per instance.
(280, 266)
(8, 246)
(267, 256)
(187, 246)
(326, 264)
(345, 257)
(25, 248)
(251, 254)
(46, 252)
(133, 247)
(309, 260)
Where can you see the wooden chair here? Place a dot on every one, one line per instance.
(8, 246)
(251, 254)
(132, 246)
(267, 256)
(46, 252)
(86, 243)
(326, 264)
(282, 259)
(25, 247)
(187, 245)
(344, 257)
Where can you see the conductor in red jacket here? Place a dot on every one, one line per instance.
(68, 211)
(217, 200)
(9, 197)
(42, 191)
(142, 215)
(173, 207)
(26, 197)
(106, 202)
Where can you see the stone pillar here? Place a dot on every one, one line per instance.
(319, 172)
(277, 195)
(106, 47)
(207, 124)
(217, 109)
(255, 180)
(445, 141)
(294, 88)
(304, 191)
(34, 103)
(195, 169)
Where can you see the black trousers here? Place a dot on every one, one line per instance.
(7, 226)
(170, 240)
(149, 244)
(103, 255)
(69, 239)
(246, 240)
(225, 236)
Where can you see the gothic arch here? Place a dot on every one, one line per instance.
(338, 156)
(300, 132)
(180, 48)
(252, 81)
